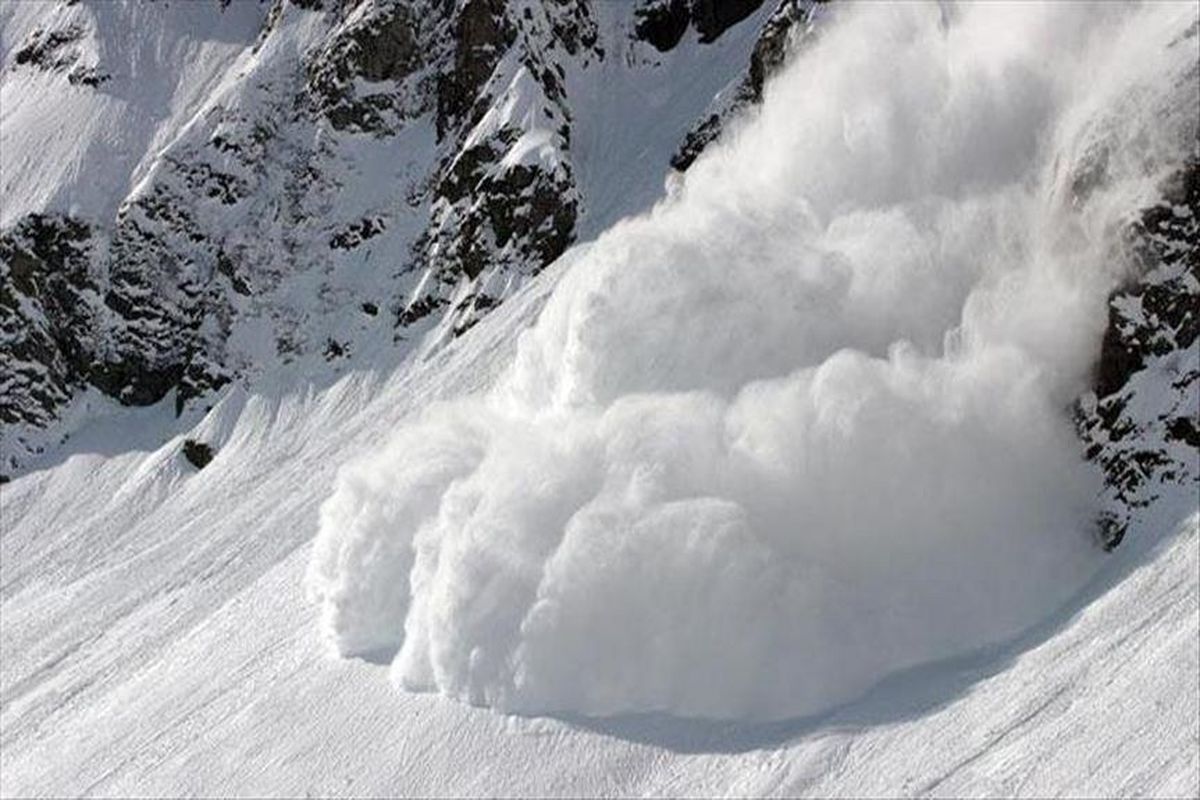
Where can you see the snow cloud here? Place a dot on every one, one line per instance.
(807, 421)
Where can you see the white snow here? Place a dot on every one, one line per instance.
(633, 109)
(799, 427)
(75, 149)
(161, 645)
(778, 386)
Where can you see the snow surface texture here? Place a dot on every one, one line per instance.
(804, 424)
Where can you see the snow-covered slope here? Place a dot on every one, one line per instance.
(158, 641)
(789, 486)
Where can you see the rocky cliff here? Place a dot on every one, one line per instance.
(346, 176)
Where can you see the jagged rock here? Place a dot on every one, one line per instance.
(48, 316)
(505, 202)
(57, 51)
(525, 213)
(248, 230)
(154, 298)
(1151, 341)
(662, 23)
(200, 377)
(790, 18)
(198, 454)
(573, 27)
(226, 267)
(356, 233)
(714, 17)
(50, 50)
(87, 76)
(482, 32)
(335, 349)
(379, 44)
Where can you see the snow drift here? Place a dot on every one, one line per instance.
(807, 421)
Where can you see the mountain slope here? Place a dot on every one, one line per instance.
(800, 481)
(306, 183)
(161, 643)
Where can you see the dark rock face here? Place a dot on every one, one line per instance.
(57, 51)
(714, 17)
(198, 454)
(155, 299)
(49, 316)
(1166, 237)
(120, 311)
(525, 211)
(770, 51)
(482, 33)
(142, 305)
(662, 23)
(50, 49)
(494, 212)
(379, 44)
(241, 224)
(73, 314)
(1140, 424)
(355, 234)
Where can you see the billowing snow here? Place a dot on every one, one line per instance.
(804, 424)
(155, 636)
(156, 642)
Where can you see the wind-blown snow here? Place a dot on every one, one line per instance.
(806, 423)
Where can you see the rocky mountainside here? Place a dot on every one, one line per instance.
(297, 182)
(302, 185)
(599, 398)
(1141, 424)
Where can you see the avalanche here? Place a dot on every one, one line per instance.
(772, 490)
(805, 423)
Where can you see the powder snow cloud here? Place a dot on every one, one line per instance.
(807, 421)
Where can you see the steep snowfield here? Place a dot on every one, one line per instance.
(86, 152)
(156, 632)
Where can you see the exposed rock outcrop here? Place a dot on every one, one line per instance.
(368, 76)
(50, 316)
(662, 23)
(1141, 425)
(408, 156)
